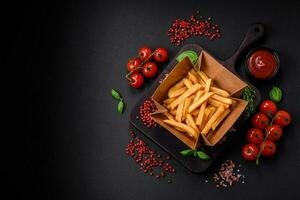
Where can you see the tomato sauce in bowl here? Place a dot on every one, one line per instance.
(262, 63)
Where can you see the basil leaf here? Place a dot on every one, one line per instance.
(187, 152)
(115, 94)
(120, 106)
(202, 155)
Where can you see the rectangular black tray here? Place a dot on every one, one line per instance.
(173, 145)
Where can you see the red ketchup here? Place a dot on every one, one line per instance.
(262, 64)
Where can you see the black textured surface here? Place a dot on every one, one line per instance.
(74, 52)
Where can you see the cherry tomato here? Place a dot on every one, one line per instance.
(255, 136)
(274, 132)
(250, 151)
(137, 80)
(268, 107)
(269, 148)
(133, 63)
(282, 118)
(260, 121)
(160, 55)
(150, 69)
(145, 53)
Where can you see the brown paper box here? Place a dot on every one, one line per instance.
(222, 77)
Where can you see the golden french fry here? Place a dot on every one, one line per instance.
(192, 78)
(187, 103)
(203, 76)
(179, 111)
(195, 112)
(222, 99)
(178, 85)
(183, 126)
(207, 112)
(212, 111)
(216, 103)
(198, 103)
(187, 83)
(199, 119)
(192, 97)
(198, 95)
(186, 94)
(220, 119)
(169, 100)
(192, 123)
(176, 92)
(179, 129)
(168, 115)
(201, 81)
(215, 116)
(233, 102)
(173, 112)
(219, 91)
(193, 71)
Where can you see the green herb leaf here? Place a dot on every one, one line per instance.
(202, 155)
(249, 95)
(120, 106)
(115, 94)
(187, 152)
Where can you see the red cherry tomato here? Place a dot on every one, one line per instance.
(250, 151)
(282, 118)
(260, 121)
(268, 107)
(133, 63)
(255, 136)
(150, 69)
(269, 148)
(160, 55)
(145, 53)
(274, 132)
(137, 80)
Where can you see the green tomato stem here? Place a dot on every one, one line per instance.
(263, 146)
(139, 67)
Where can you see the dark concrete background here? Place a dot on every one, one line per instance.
(73, 52)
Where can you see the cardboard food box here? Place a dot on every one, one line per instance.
(221, 77)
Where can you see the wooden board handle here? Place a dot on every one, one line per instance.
(255, 32)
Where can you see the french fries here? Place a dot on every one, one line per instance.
(192, 77)
(203, 106)
(220, 91)
(182, 126)
(177, 92)
(187, 83)
(222, 99)
(218, 121)
(213, 118)
(179, 112)
(187, 103)
(196, 105)
(200, 101)
(186, 94)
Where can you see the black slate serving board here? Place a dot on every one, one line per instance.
(173, 145)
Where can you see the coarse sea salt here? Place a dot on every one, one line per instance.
(228, 174)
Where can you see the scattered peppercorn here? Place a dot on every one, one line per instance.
(196, 25)
(149, 160)
(145, 110)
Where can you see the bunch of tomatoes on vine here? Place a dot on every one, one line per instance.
(145, 65)
(266, 130)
